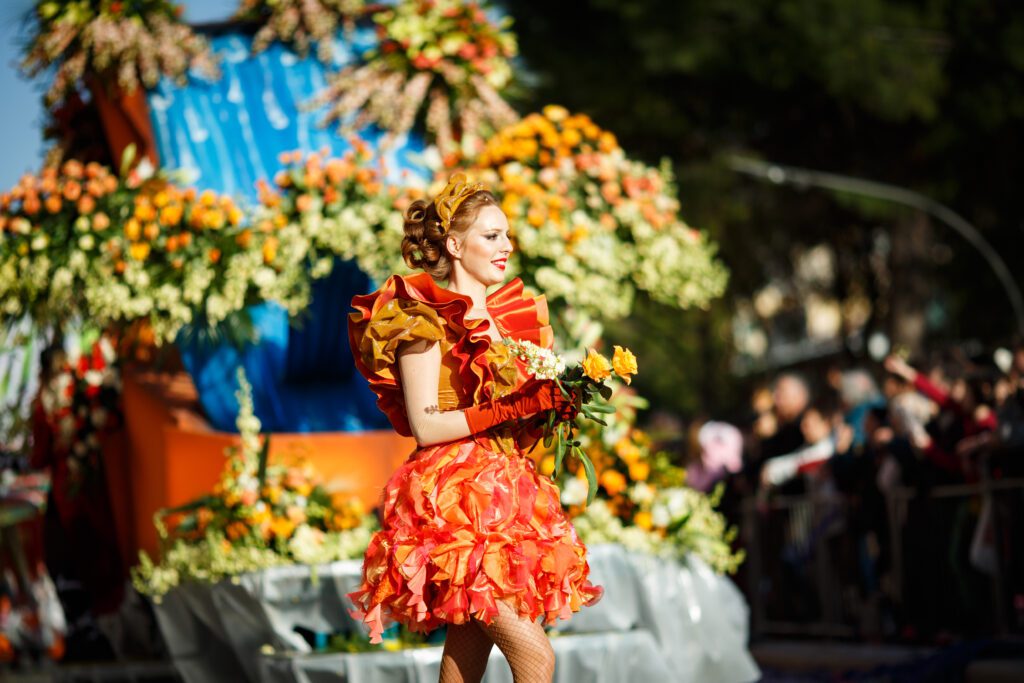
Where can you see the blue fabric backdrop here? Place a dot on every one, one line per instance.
(225, 136)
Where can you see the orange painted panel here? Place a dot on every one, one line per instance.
(176, 456)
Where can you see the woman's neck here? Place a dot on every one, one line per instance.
(465, 284)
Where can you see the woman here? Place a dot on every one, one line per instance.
(473, 537)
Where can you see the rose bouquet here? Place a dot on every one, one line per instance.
(583, 385)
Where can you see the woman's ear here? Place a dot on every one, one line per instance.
(453, 245)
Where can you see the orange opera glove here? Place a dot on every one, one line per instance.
(534, 396)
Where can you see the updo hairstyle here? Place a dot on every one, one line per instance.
(424, 243)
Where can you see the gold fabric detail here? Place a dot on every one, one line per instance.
(453, 194)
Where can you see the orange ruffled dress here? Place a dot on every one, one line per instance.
(470, 522)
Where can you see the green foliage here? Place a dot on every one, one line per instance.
(926, 95)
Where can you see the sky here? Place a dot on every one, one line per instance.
(21, 113)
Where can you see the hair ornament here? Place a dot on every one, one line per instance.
(455, 192)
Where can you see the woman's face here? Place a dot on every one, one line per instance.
(483, 251)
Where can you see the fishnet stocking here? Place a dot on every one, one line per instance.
(466, 648)
(524, 644)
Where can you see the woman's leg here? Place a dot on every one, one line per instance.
(524, 644)
(466, 649)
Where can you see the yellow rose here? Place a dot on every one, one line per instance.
(643, 520)
(596, 366)
(624, 363)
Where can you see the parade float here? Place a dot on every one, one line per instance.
(252, 182)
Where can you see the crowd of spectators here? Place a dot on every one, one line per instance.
(863, 488)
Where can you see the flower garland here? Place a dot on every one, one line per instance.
(80, 241)
(81, 400)
(260, 514)
(300, 22)
(444, 52)
(591, 225)
(130, 43)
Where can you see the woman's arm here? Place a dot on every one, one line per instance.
(419, 367)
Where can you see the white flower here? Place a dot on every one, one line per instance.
(660, 516)
(641, 493)
(574, 492)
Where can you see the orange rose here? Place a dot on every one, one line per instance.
(53, 203)
(31, 204)
(613, 481)
(86, 205)
(72, 190)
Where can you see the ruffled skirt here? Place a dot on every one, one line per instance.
(465, 526)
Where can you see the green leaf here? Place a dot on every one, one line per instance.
(127, 159)
(559, 450)
(591, 474)
(602, 408)
(190, 506)
(565, 393)
(261, 472)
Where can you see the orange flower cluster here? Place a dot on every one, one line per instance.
(552, 163)
(167, 218)
(245, 510)
(318, 183)
(70, 190)
(545, 139)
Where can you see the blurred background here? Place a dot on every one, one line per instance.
(858, 389)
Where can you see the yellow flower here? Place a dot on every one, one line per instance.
(139, 251)
(547, 465)
(643, 520)
(613, 481)
(596, 366)
(639, 471)
(555, 112)
(282, 527)
(132, 229)
(624, 363)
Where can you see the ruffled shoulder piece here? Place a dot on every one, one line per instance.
(520, 315)
(414, 308)
(408, 309)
